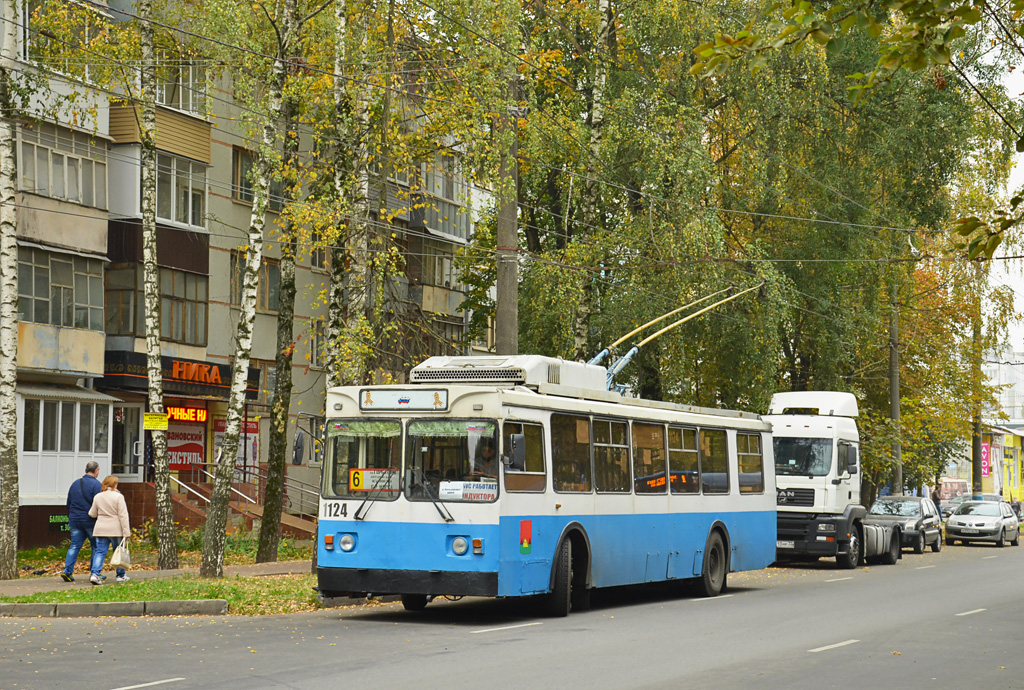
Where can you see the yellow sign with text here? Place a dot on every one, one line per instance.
(154, 421)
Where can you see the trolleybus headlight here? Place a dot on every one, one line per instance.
(347, 542)
(460, 545)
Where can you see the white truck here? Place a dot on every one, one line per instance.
(817, 445)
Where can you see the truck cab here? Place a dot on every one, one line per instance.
(816, 447)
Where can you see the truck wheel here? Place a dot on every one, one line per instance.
(713, 574)
(414, 602)
(937, 546)
(559, 601)
(919, 544)
(893, 554)
(851, 559)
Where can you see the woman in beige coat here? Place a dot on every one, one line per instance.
(111, 513)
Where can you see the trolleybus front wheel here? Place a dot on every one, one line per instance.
(414, 602)
(559, 601)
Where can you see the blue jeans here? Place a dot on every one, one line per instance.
(99, 554)
(80, 531)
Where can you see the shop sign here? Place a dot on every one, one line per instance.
(186, 446)
(187, 414)
(127, 371)
(248, 441)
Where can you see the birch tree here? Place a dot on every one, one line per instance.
(166, 532)
(286, 26)
(9, 496)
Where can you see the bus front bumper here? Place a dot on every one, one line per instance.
(332, 582)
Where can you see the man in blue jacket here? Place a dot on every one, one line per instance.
(80, 497)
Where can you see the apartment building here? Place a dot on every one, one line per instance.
(82, 379)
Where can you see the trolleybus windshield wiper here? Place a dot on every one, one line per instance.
(370, 498)
(441, 509)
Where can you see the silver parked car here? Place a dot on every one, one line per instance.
(952, 504)
(983, 521)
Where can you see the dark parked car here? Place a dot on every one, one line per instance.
(952, 504)
(983, 521)
(917, 517)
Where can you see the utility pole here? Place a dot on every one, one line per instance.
(894, 389)
(976, 487)
(506, 327)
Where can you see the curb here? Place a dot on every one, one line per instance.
(191, 607)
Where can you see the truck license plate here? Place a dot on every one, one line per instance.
(784, 545)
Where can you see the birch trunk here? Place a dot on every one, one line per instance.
(336, 291)
(9, 490)
(270, 525)
(217, 510)
(349, 274)
(167, 543)
(591, 193)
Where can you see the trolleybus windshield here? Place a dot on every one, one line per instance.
(362, 459)
(452, 460)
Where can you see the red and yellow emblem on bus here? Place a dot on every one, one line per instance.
(525, 536)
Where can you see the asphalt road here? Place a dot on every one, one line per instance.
(948, 620)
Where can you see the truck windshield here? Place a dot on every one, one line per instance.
(810, 457)
(452, 460)
(362, 459)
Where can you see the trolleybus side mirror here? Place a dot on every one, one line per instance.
(515, 454)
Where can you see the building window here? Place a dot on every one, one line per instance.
(50, 427)
(318, 250)
(54, 35)
(317, 344)
(180, 191)
(268, 294)
(445, 337)
(268, 380)
(439, 265)
(242, 162)
(183, 304)
(62, 164)
(60, 289)
(181, 84)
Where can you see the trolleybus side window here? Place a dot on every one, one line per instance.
(532, 477)
(649, 458)
(570, 453)
(362, 459)
(448, 459)
(683, 461)
(748, 452)
(714, 461)
(611, 456)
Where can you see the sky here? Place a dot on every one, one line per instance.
(1011, 273)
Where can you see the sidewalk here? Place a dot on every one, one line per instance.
(32, 585)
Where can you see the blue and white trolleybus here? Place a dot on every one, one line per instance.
(523, 475)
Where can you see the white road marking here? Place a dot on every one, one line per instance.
(989, 557)
(148, 685)
(832, 646)
(924, 567)
(507, 627)
(839, 579)
(720, 596)
(968, 613)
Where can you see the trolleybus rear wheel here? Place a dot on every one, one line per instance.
(713, 574)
